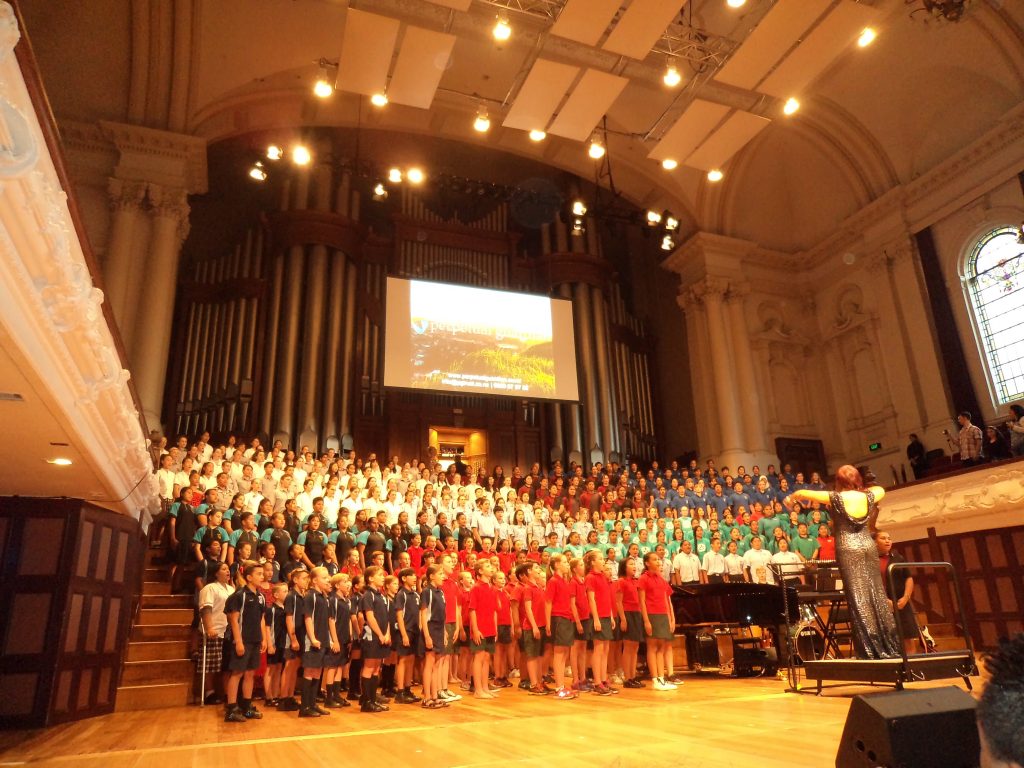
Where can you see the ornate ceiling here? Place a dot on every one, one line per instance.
(871, 119)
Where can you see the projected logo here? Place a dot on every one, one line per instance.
(474, 340)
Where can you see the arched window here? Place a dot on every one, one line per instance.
(995, 274)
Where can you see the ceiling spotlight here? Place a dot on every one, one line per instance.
(577, 227)
(671, 222)
(667, 243)
(482, 124)
(395, 176)
(502, 29)
(672, 77)
(60, 461)
(867, 37)
(653, 218)
(669, 164)
(715, 175)
(322, 88)
(301, 155)
(596, 149)
(579, 208)
(379, 99)
(537, 135)
(257, 172)
(415, 176)
(735, 3)
(380, 192)
(791, 106)
(274, 152)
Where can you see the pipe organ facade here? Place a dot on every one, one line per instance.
(283, 337)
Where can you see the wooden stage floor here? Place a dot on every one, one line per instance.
(718, 722)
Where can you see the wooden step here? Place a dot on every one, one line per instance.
(160, 632)
(132, 698)
(168, 601)
(157, 672)
(158, 650)
(157, 558)
(158, 573)
(156, 588)
(166, 616)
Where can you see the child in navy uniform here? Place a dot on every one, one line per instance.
(320, 640)
(341, 588)
(376, 638)
(244, 643)
(407, 642)
(277, 640)
(387, 673)
(296, 630)
(432, 638)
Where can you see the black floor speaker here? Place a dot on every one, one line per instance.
(931, 728)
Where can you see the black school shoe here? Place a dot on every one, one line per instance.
(288, 705)
(317, 708)
(373, 707)
(308, 712)
(234, 715)
(252, 713)
(633, 683)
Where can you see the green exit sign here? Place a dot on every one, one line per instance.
(875, 447)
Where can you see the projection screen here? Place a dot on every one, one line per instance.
(456, 338)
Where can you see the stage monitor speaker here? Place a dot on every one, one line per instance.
(910, 729)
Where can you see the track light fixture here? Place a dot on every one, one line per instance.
(301, 155)
(671, 222)
(380, 192)
(669, 164)
(395, 176)
(667, 243)
(791, 107)
(258, 172)
(653, 218)
(596, 149)
(502, 30)
(379, 99)
(274, 152)
(715, 175)
(415, 175)
(482, 124)
(672, 78)
(579, 208)
(537, 135)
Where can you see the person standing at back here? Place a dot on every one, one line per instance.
(968, 441)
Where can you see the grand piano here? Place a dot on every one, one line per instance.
(707, 615)
(733, 603)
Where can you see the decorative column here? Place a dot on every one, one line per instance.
(712, 291)
(749, 392)
(701, 381)
(149, 363)
(126, 199)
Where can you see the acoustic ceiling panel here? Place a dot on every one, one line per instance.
(585, 20)
(542, 92)
(591, 98)
(823, 46)
(641, 25)
(740, 128)
(458, 5)
(692, 127)
(422, 60)
(781, 27)
(366, 48)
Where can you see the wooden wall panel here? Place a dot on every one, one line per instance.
(69, 576)
(990, 567)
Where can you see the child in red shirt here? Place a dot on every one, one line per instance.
(503, 646)
(558, 611)
(599, 602)
(659, 620)
(483, 616)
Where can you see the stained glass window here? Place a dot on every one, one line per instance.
(995, 274)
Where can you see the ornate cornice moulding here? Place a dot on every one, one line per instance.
(50, 307)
